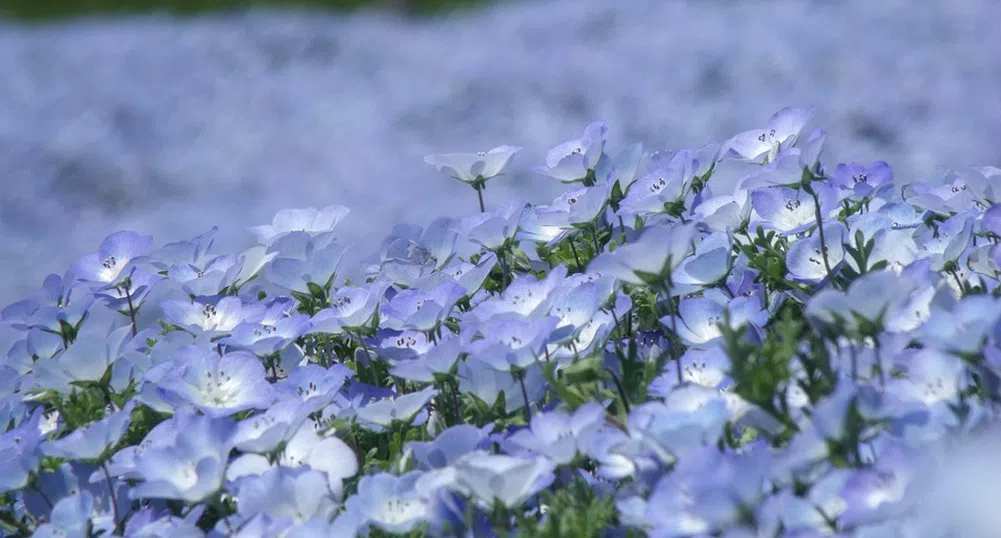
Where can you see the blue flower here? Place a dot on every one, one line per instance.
(421, 311)
(382, 413)
(559, 436)
(571, 161)
(290, 496)
(762, 145)
(317, 266)
(111, 263)
(191, 465)
(212, 315)
(473, 167)
(309, 220)
(217, 385)
(449, 445)
(391, 503)
(509, 480)
(91, 441)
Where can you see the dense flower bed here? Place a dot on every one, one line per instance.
(734, 340)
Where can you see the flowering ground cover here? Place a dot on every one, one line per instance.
(169, 126)
(739, 339)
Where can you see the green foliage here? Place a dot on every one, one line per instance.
(576, 511)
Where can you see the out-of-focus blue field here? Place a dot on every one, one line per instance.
(172, 126)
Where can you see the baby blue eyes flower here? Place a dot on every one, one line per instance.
(391, 503)
(863, 180)
(317, 267)
(572, 160)
(420, 311)
(474, 167)
(106, 267)
(559, 436)
(309, 220)
(91, 441)
(449, 445)
(351, 309)
(805, 258)
(20, 453)
(494, 229)
(383, 413)
(509, 480)
(212, 315)
(191, 466)
(789, 211)
(287, 495)
(327, 454)
(70, 517)
(217, 385)
(763, 145)
(211, 279)
(650, 259)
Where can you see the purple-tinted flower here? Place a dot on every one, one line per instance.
(212, 314)
(509, 480)
(189, 466)
(309, 220)
(511, 340)
(712, 261)
(654, 256)
(91, 441)
(557, 435)
(704, 367)
(790, 211)
(383, 413)
(571, 161)
(449, 445)
(963, 326)
(264, 432)
(20, 453)
(70, 517)
(108, 266)
(660, 187)
(482, 380)
(287, 495)
(210, 279)
(317, 267)
(761, 145)
(694, 417)
(945, 242)
(474, 167)
(277, 329)
(492, 230)
(525, 295)
(327, 454)
(438, 360)
(863, 180)
(805, 259)
(217, 385)
(314, 386)
(98, 345)
(420, 311)
(391, 503)
(470, 277)
(350, 308)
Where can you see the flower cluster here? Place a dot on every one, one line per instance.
(732, 340)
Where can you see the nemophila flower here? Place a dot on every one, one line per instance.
(421, 311)
(391, 503)
(215, 315)
(351, 309)
(268, 335)
(545, 224)
(863, 180)
(135, 290)
(706, 367)
(395, 346)
(706, 492)
(99, 343)
(661, 187)
(487, 383)
(693, 416)
(91, 441)
(327, 454)
(879, 491)
(721, 212)
(146, 524)
(209, 279)
(572, 160)
(317, 267)
(20, 452)
(711, 262)
(286, 495)
(762, 145)
(509, 480)
(313, 385)
(556, 435)
(469, 277)
(580, 206)
(805, 258)
(474, 167)
(699, 320)
(946, 241)
(309, 220)
(525, 295)
(790, 211)
(962, 326)
(191, 465)
(193, 251)
(575, 306)
(111, 263)
(868, 303)
(651, 258)
(404, 407)
(262, 433)
(491, 230)
(449, 445)
(47, 307)
(70, 517)
(71, 479)
(438, 360)
(216, 385)
(511, 340)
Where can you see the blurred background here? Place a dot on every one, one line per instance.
(171, 116)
